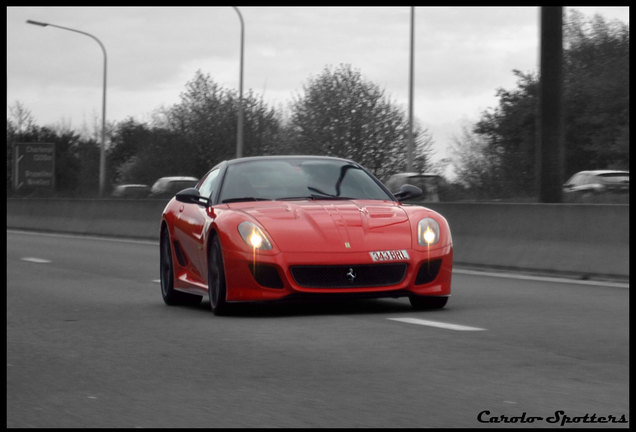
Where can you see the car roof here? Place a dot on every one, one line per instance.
(178, 178)
(601, 172)
(415, 174)
(283, 157)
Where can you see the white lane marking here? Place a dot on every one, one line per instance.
(437, 324)
(36, 260)
(543, 278)
(156, 280)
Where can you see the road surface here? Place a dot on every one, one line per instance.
(90, 343)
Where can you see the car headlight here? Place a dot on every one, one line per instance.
(427, 232)
(253, 236)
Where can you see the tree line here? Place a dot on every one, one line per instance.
(495, 158)
(340, 113)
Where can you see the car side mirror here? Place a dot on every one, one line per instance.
(407, 191)
(192, 196)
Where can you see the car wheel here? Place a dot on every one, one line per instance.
(427, 302)
(169, 294)
(216, 278)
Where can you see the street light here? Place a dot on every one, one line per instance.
(102, 152)
(410, 145)
(239, 126)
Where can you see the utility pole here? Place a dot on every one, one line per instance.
(550, 143)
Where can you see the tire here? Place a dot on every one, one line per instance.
(216, 278)
(166, 272)
(427, 302)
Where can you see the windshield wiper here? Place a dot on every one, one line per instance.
(312, 197)
(329, 197)
(231, 200)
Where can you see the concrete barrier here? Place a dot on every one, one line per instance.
(108, 217)
(583, 240)
(576, 239)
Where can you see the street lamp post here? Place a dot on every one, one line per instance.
(102, 151)
(239, 126)
(411, 145)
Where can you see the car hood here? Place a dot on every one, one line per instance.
(333, 226)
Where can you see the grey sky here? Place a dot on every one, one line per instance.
(463, 54)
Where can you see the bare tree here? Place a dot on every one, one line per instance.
(341, 114)
(20, 117)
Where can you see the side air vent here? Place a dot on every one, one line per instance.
(181, 259)
(266, 275)
(428, 272)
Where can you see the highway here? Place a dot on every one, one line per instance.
(90, 343)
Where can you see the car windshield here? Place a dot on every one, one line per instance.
(298, 178)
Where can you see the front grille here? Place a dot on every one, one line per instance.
(349, 276)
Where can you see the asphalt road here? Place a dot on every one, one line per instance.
(90, 343)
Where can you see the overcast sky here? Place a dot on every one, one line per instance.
(462, 56)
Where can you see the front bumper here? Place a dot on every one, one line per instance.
(254, 277)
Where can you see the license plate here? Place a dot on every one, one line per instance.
(390, 255)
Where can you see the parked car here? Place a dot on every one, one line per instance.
(288, 227)
(597, 186)
(429, 183)
(167, 187)
(131, 191)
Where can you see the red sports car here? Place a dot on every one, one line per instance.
(284, 227)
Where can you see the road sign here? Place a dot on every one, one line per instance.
(34, 165)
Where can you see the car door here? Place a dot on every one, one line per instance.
(191, 225)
